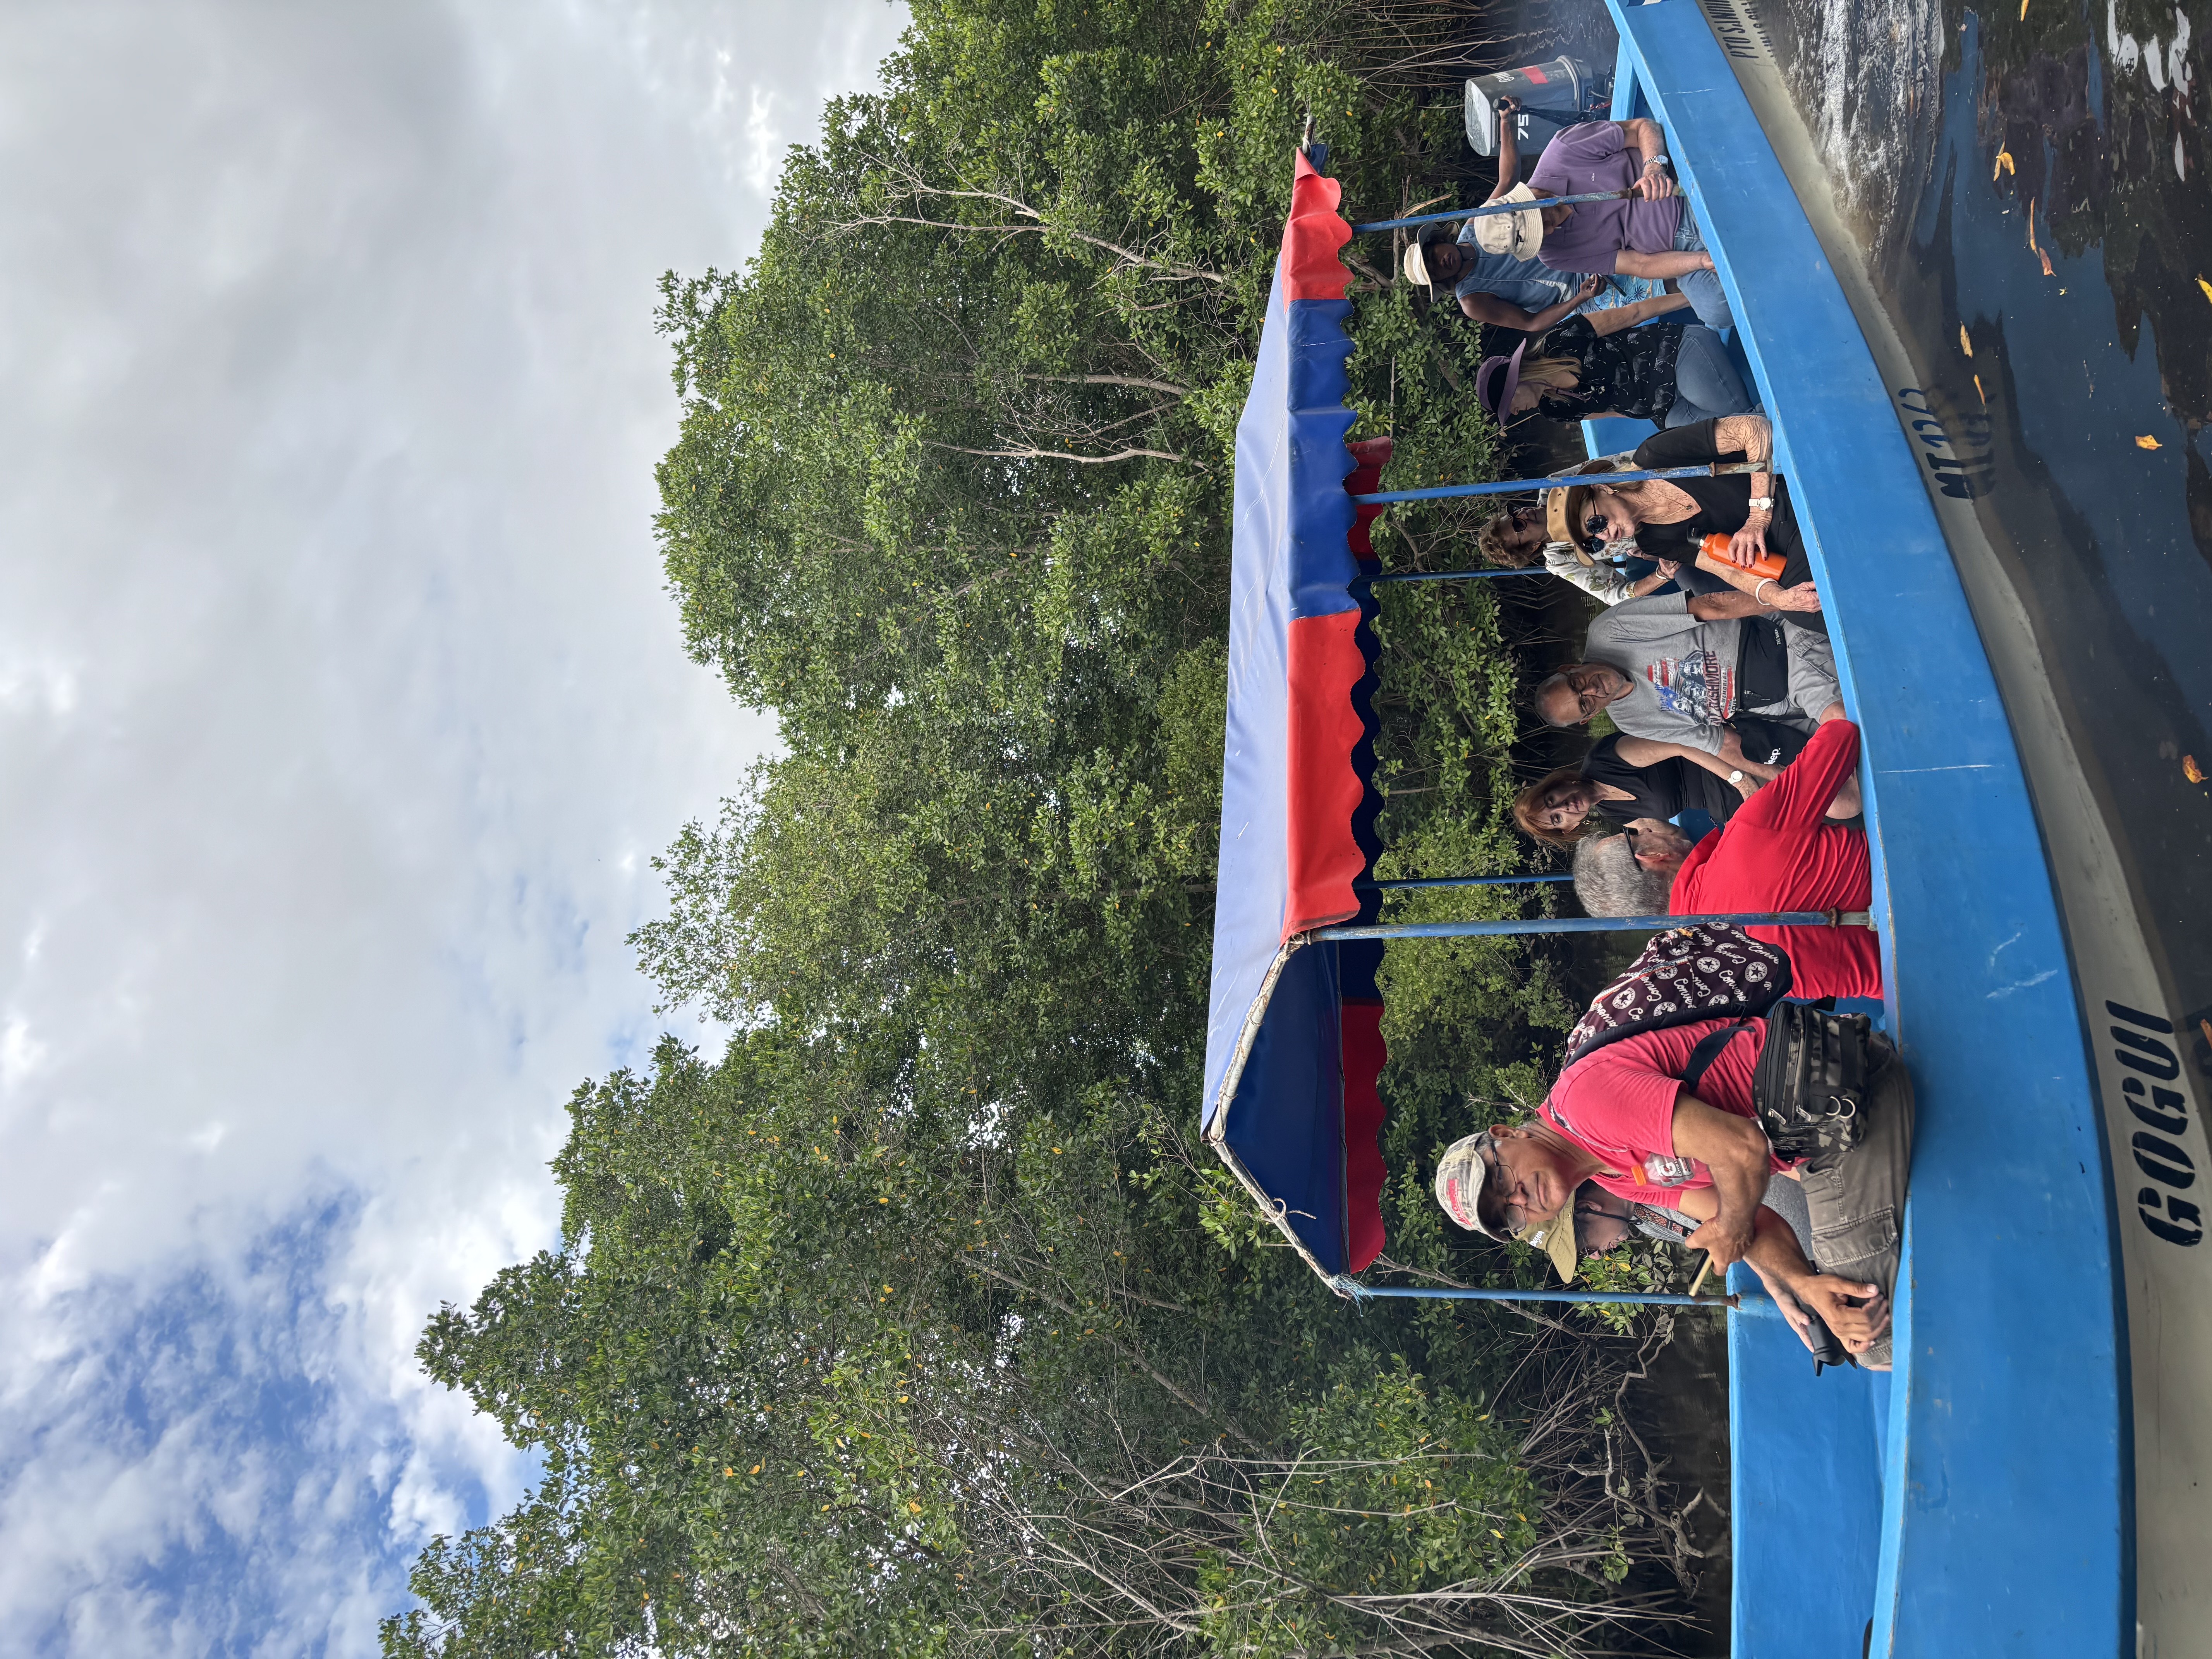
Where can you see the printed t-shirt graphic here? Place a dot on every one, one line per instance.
(1698, 686)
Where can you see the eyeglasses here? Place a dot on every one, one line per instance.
(1493, 1197)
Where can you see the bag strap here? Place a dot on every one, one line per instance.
(1708, 1050)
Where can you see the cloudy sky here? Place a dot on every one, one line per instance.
(341, 708)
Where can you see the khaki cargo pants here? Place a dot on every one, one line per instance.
(1858, 1198)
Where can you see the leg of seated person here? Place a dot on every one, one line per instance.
(1702, 287)
(1706, 380)
(1857, 1202)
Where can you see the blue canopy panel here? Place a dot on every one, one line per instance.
(1294, 1043)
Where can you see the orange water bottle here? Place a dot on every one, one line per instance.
(1715, 546)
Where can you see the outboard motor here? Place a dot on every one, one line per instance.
(1552, 95)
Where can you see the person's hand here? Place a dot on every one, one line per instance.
(1507, 109)
(1655, 186)
(1668, 570)
(1857, 1314)
(1803, 596)
(1589, 290)
(1747, 544)
(1725, 1241)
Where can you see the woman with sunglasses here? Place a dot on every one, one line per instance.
(1670, 518)
(1515, 539)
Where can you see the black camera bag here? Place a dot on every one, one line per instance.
(1811, 1083)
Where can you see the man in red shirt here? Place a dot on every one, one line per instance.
(1779, 852)
(1640, 1119)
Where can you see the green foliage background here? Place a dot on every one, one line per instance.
(911, 1324)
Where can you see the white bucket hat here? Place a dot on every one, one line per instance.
(1517, 233)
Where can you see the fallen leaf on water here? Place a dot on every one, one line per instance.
(2190, 770)
(2004, 165)
(1964, 344)
(1978, 392)
(2146, 442)
(2206, 286)
(2031, 224)
(2046, 258)
(2023, 11)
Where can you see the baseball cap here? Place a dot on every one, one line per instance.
(1465, 1188)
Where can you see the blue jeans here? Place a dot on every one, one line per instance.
(1703, 286)
(1706, 380)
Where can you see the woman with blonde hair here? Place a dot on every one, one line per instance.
(1518, 538)
(1590, 367)
(1670, 518)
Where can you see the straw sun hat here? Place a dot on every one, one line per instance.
(1566, 509)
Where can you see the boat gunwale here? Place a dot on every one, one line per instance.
(1856, 482)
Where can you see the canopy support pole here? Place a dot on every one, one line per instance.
(1513, 486)
(1400, 886)
(1359, 1292)
(1489, 208)
(1460, 575)
(1592, 925)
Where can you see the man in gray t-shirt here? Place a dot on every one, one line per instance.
(1673, 669)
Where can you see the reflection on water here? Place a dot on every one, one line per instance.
(2032, 186)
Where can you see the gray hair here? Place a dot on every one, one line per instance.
(1609, 881)
(1544, 687)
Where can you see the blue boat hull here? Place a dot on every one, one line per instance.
(1983, 1503)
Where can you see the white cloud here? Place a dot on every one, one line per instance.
(340, 706)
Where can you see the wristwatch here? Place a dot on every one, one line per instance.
(1651, 161)
(1762, 503)
(1737, 776)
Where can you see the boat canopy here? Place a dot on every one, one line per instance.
(1293, 1042)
